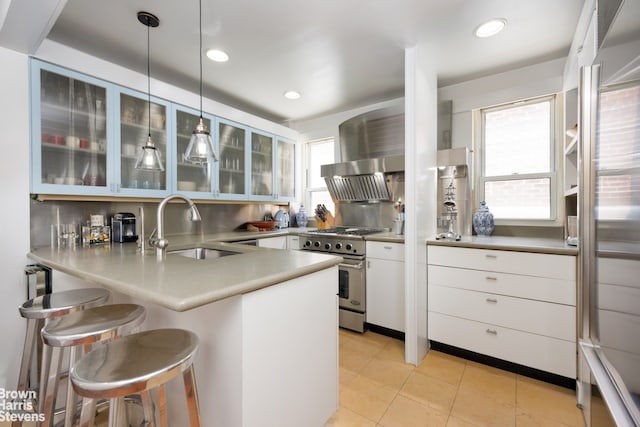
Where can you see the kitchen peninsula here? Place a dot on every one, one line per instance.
(263, 317)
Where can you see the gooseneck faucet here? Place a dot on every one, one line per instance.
(161, 242)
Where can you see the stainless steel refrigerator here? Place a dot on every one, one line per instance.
(609, 221)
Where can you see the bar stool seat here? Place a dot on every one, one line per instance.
(46, 307)
(136, 364)
(80, 330)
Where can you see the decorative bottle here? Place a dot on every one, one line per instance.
(301, 217)
(483, 220)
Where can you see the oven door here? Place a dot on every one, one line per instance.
(351, 289)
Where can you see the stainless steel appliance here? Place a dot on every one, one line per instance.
(609, 221)
(123, 227)
(349, 243)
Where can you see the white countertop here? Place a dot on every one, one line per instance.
(511, 243)
(181, 283)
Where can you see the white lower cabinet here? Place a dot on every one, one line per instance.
(278, 242)
(293, 242)
(486, 306)
(385, 285)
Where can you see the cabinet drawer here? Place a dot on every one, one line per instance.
(530, 264)
(531, 287)
(383, 250)
(538, 317)
(293, 242)
(536, 351)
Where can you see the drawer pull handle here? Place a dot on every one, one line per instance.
(492, 300)
(491, 278)
(491, 256)
(492, 331)
(387, 247)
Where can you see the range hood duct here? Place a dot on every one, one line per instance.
(362, 180)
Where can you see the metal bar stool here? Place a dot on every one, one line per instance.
(77, 331)
(46, 307)
(136, 364)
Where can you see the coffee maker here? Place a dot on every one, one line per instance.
(123, 227)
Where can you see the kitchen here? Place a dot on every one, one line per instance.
(420, 89)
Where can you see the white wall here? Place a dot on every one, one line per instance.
(14, 216)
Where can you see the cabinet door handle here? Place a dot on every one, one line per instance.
(491, 256)
(492, 331)
(492, 300)
(491, 278)
(387, 247)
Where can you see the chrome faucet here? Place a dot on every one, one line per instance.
(161, 242)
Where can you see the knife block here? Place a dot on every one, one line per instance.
(329, 222)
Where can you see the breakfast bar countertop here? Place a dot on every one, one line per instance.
(180, 283)
(510, 243)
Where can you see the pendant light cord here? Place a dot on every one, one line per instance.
(200, 56)
(149, 77)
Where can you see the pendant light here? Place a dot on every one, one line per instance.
(200, 147)
(149, 156)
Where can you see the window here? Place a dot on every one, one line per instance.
(517, 160)
(318, 153)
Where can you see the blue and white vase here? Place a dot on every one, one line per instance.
(483, 220)
(301, 217)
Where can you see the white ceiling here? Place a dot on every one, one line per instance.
(339, 54)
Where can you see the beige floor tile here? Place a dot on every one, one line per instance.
(457, 422)
(544, 401)
(366, 397)
(404, 412)
(346, 418)
(356, 354)
(392, 351)
(528, 420)
(392, 374)
(346, 375)
(430, 391)
(490, 382)
(474, 407)
(443, 366)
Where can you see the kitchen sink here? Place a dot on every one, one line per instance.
(202, 253)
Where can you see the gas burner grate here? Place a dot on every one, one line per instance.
(349, 231)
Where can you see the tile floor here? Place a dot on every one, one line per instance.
(378, 389)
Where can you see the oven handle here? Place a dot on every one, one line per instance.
(357, 266)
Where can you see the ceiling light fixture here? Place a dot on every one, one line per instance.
(217, 55)
(490, 28)
(292, 94)
(200, 147)
(149, 156)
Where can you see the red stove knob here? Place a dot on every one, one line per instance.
(327, 246)
(349, 246)
(338, 245)
(316, 244)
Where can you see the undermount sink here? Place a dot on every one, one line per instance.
(202, 253)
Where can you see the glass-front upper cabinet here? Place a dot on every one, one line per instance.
(137, 119)
(285, 168)
(69, 120)
(262, 165)
(232, 154)
(192, 178)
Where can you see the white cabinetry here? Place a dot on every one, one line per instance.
(293, 242)
(278, 242)
(385, 285)
(515, 306)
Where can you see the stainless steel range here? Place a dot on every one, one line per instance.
(349, 243)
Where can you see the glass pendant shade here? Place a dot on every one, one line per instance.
(200, 147)
(149, 157)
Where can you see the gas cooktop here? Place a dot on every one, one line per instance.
(348, 231)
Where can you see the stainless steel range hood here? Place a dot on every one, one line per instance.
(362, 180)
(371, 148)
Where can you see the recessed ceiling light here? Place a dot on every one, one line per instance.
(217, 55)
(490, 28)
(292, 94)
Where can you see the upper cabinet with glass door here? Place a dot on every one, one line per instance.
(69, 130)
(197, 180)
(262, 166)
(138, 118)
(285, 169)
(232, 154)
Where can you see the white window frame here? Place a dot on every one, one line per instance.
(305, 161)
(555, 153)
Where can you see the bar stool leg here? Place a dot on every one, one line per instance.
(147, 407)
(70, 405)
(88, 413)
(191, 391)
(117, 417)
(51, 385)
(27, 353)
(162, 405)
